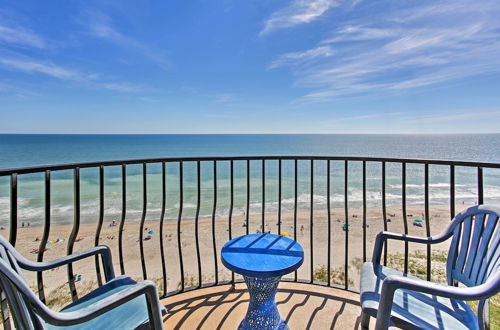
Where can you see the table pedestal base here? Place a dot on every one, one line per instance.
(262, 311)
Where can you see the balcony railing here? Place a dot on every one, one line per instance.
(207, 200)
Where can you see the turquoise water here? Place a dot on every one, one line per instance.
(30, 150)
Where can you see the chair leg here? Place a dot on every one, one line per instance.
(365, 321)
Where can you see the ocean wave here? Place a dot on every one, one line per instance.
(185, 205)
(422, 186)
(34, 211)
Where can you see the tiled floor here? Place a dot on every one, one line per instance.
(303, 306)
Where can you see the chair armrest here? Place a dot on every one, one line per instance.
(395, 282)
(101, 250)
(147, 288)
(383, 236)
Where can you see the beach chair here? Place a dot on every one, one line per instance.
(402, 300)
(120, 303)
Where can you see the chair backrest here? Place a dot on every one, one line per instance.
(7, 257)
(474, 251)
(11, 278)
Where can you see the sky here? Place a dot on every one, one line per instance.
(255, 66)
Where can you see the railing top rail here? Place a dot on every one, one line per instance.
(68, 166)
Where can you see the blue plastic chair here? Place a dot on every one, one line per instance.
(121, 303)
(401, 300)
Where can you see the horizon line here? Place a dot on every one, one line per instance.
(296, 133)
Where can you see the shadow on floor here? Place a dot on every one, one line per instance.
(302, 306)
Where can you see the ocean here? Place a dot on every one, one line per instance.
(19, 150)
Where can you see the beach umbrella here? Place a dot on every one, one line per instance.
(151, 232)
(419, 220)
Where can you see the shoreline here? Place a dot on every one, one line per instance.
(271, 210)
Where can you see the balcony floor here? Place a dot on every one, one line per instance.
(303, 306)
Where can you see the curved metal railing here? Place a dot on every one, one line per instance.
(240, 175)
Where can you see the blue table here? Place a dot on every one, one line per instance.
(262, 259)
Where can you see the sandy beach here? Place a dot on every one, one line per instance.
(27, 243)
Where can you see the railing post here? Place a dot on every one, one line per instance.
(452, 191)
(364, 211)
(311, 222)
(45, 236)
(405, 218)
(214, 211)
(13, 209)
(295, 208)
(384, 211)
(231, 201)
(427, 220)
(248, 198)
(263, 213)
(346, 211)
(143, 218)
(279, 196)
(162, 220)
(100, 222)
(328, 208)
(179, 218)
(123, 217)
(196, 219)
(480, 189)
(74, 232)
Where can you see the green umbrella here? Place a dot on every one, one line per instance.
(418, 220)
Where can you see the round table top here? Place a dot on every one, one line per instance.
(262, 255)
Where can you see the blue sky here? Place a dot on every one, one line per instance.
(256, 66)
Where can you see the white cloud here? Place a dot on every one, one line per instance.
(31, 66)
(400, 49)
(301, 57)
(100, 25)
(20, 36)
(430, 38)
(447, 9)
(358, 33)
(298, 12)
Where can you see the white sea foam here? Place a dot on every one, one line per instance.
(30, 210)
(422, 186)
(186, 205)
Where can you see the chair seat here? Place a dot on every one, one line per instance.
(131, 315)
(413, 309)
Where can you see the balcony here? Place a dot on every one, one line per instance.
(302, 306)
(167, 219)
